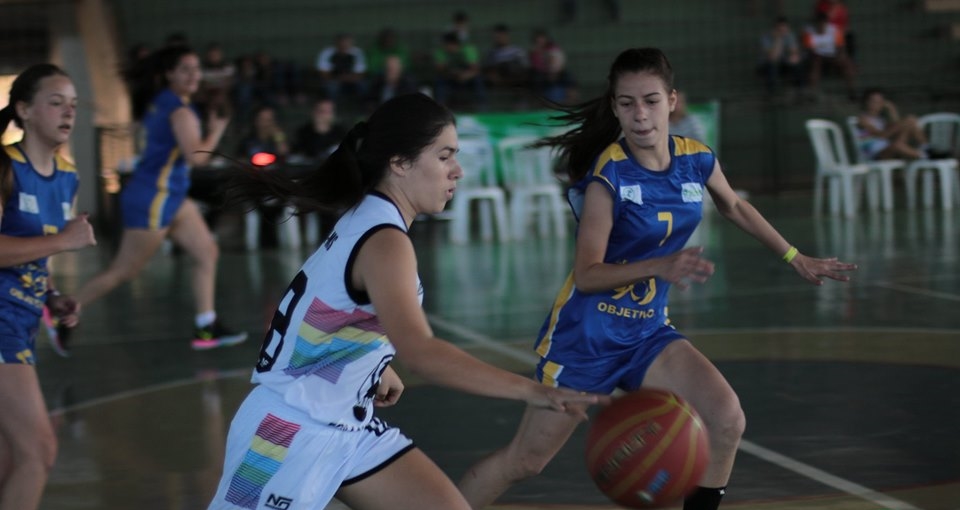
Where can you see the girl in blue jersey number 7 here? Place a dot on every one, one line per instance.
(637, 195)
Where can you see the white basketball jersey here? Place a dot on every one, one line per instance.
(326, 350)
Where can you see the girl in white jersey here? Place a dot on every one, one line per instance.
(307, 431)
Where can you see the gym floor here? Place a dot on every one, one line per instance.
(850, 389)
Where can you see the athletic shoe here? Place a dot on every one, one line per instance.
(215, 335)
(58, 334)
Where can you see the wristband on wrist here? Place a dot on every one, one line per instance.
(790, 255)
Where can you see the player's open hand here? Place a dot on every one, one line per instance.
(812, 269)
(567, 401)
(389, 389)
(685, 266)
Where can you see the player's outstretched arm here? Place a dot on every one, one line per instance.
(745, 216)
(386, 269)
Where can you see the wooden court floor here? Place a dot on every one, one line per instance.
(850, 390)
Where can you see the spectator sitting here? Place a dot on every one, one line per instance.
(248, 90)
(388, 44)
(825, 46)
(217, 81)
(461, 25)
(883, 134)
(342, 67)
(505, 63)
(322, 134)
(548, 69)
(458, 69)
(265, 136)
(780, 55)
(682, 123)
(393, 81)
(838, 14)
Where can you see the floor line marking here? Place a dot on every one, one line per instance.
(746, 446)
(823, 477)
(919, 291)
(226, 374)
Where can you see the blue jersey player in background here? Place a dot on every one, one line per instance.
(638, 196)
(37, 192)
(154, 201)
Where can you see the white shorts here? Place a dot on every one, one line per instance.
(278, 458)
(873, 146)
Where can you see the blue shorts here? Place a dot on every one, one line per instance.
(18, 334)
(625, 372)
(149, 208)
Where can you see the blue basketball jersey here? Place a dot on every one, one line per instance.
(654, 214)
(37, 206)
(161, 170)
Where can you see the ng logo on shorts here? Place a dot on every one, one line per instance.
(278, 502)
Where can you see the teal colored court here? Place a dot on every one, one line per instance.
(850, 390)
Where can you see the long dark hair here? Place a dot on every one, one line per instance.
(24, 88)
(401, 127)
(596, 125)
(147, 76)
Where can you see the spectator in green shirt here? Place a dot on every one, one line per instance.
(457, 68)
(388, 44)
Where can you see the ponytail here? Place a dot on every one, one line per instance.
(400, 128)
(596, 128)
(596, 125)
(7, 114)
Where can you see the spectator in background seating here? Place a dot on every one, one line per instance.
(457, 68)
(387, 45)
(569, 8)
(461, 25)
(321, 135)
(506, 63)
(780, 55)
(682, 123)
(393, 81)
(265, 136)
(548, 69)
(825, 46)
(838, 14)
(217, 81)
(343, 67)
(884, 134)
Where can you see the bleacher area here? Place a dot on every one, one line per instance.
(906, 46)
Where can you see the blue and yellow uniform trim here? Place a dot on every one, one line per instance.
(597, 334)
(37, 205)
(154, 193)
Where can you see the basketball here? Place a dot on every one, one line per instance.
(647, 449)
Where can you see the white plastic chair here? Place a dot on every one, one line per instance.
(478, 184)
(834, 168)
(534, 189)
(881, 169)
(943, 133)
(288, 230)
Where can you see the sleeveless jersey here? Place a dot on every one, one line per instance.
(326, 350)
(37, 206)
(654, 214)
(161, 170)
